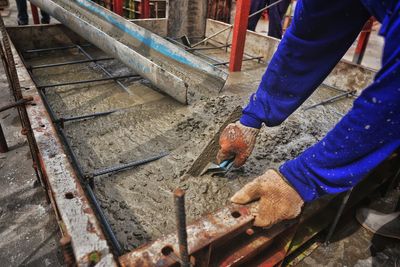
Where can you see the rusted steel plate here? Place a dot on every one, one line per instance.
(257, 241)
(225, 224)
(71, 203)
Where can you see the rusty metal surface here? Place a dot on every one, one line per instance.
(258, 241)
(225, 224)
(71, 204)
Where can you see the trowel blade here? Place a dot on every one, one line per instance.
(213, 168)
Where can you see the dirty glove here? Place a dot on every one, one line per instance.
(236, 141)
(278, 201)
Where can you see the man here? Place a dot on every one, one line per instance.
(275, 15)
(23, 18)
(320, 34)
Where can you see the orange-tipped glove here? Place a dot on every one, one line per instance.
(236, 141)
(278, 201)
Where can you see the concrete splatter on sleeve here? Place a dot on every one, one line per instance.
(320, 34)
(367, 135)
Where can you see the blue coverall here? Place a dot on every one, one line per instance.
(320, 34)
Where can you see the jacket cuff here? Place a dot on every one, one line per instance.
(249, 121)
(307, 193)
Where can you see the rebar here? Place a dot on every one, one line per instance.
(92, 197)
(54, 48)
(244, 59)
(338, 215)
(332, 99)
(265, 8)
(89, 81)
(207, 48)
(86, 54)
(98, 114)
(132, 164)
(8, 61)
(68, 251)
(68, 63)
(179, 200)
(230, 26)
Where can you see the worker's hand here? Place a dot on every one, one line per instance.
(278, 201)
(236, 141)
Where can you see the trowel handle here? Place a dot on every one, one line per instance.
(226, 164)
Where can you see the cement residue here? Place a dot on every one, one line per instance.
(138, 202)
(199, 82)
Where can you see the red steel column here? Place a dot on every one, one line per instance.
(145, 9)
(35, 14)
(363, 41)
(239, 34)
(118, 7)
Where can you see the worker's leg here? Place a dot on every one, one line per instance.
(23, 18)
(254, 7)
(45, 17)
(276, 14)
(380, 223)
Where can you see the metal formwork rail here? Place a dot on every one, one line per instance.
(72, 208)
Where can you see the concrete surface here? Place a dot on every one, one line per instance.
(28, 229)
(138, 202)
(29, 232)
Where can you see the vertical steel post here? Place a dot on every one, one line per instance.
(118, 7)
(179, 199)
(239, 34)
(363, 41)
(3, 142)
(35, 14)
(145, 9)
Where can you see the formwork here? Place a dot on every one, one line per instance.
(113, 148)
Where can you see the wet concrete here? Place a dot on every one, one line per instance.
(138, 202)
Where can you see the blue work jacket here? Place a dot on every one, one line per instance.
(319, 36)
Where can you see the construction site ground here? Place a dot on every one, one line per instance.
(148, 123)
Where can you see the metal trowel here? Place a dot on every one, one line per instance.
(213, 168)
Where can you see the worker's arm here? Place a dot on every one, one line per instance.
(319, 36)
(366, 136)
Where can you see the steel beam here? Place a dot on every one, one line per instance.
(363, 41)
(118, 7)
(239, 34)
(35, 14)
(138, 48)
(224, 224)
(145, 9)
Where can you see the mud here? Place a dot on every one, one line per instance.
(138, 202)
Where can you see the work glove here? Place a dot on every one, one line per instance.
(236, 142)
(278, 201)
